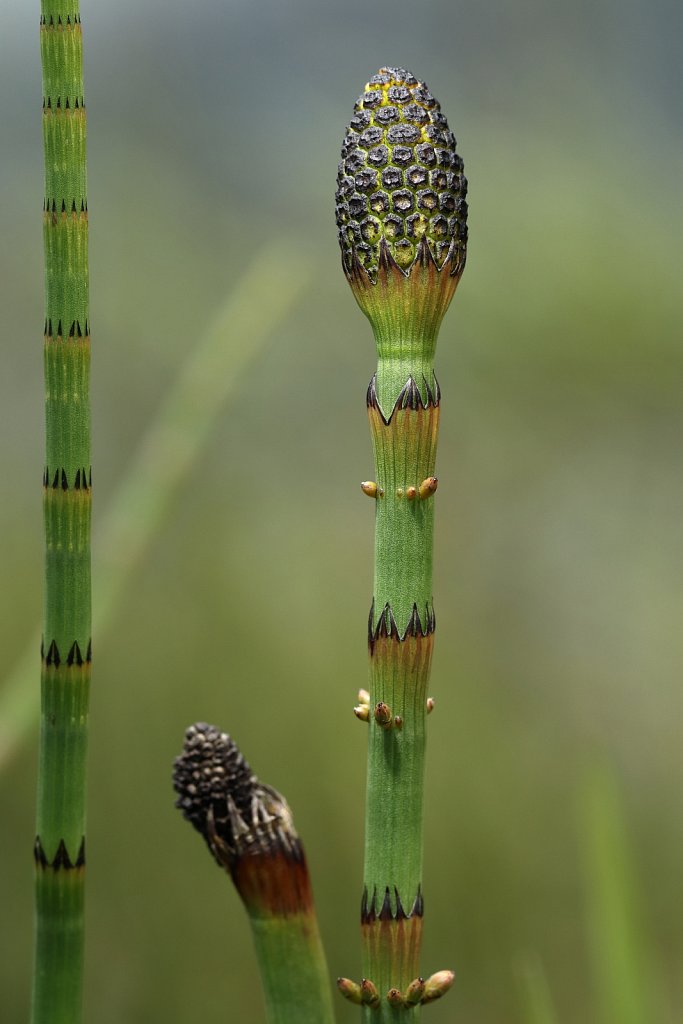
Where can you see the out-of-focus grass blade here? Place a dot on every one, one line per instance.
(536, 1000)
(618, 947)
(261, 299)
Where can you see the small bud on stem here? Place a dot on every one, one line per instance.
(351, 990)
(414, 992)
(394, 997)
(369, 994)
(383, 715)
(437, 985)
(428, 487)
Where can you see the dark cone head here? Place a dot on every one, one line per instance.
(222, 798)
(400, 179)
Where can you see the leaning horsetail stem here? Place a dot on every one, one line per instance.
(66, 648)
(249, 831)
(402, 219)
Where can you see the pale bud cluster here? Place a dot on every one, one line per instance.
(418, 992)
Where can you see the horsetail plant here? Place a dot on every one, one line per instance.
(249, 830)
(66, 646)
(402, 219)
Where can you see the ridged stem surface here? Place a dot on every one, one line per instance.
(293, 969)
(404, 432)
(66, 646)
(276, 890)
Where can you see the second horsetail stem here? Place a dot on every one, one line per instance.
(402, 220)
(66, 650)
(248, 828)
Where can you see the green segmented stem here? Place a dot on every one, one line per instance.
(401, 630)
(167, 451)
(66, 647)
(402, 219)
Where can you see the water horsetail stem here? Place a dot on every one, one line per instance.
(402, 219)
(66, 650)
(249, 830)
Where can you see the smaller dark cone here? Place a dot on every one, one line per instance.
(219, 794)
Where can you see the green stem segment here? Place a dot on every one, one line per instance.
(66, 646)
(289, 949)
(401, 629)
(271, 875)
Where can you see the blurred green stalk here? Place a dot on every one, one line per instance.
(154, 475)
(535, 993)
(620, 956)
(66, 647)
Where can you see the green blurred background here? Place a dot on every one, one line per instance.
(554, 826)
